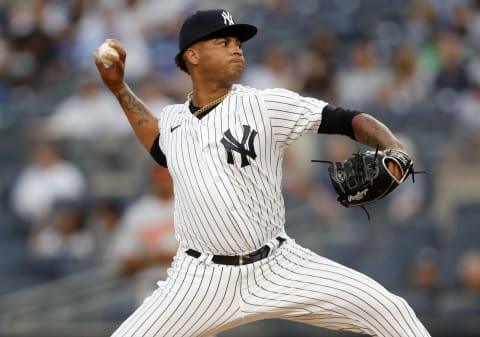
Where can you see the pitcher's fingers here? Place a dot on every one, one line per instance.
(98, 62)
(112, 58)
(117, 45)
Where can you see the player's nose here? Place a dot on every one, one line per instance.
(237, 50)
(237, 46)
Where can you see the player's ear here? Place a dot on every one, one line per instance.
(192, 55)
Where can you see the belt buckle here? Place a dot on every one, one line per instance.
(246, 258)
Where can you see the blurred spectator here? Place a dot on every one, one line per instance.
(121, 20)
(64, 235)
(466, 129)
(317, 75)
(423, 272)
(5, 58)
(278, 23)
(452, 73)
(469, 106)
(324, 44)
(145, 236)
(364, 68)
(64, 243)
(104, 219)
(465, 302)
(458, 19)
(474, 24)
(90, 112)
(275, 70)
(447, 12)
(318, 64)
(156, 13)
(469, 271)
(47, 179)
(32, 47)
(153, 94)
(162, 22)
(405, 85)
(163, 44)
(423, 282)
(468, 123)
(421, 22)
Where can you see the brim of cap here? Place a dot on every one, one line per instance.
(242, 31)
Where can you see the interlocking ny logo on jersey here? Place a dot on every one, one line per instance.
(231, 144)
(227, 18)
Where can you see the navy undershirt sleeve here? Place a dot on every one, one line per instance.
(157, 153)
(337, 120)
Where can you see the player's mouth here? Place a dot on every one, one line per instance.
(237, 60)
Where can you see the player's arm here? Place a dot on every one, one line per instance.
(139, 116)
(372, 132)
(143, 123)
(361, 127)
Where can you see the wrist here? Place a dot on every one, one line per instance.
(117, 89)
(397, 147)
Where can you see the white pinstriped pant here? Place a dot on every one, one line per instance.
(200, 298)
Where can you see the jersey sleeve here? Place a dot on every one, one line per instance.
(291, 115)
(156, 151)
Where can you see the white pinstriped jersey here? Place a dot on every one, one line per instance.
(227, 169)
(227, 176)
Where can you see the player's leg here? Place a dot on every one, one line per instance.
(196, 299)
(297, 284)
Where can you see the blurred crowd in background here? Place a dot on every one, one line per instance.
(77, 191)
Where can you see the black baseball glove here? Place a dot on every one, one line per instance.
(365, 177)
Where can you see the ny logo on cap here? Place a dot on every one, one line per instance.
(227, 18)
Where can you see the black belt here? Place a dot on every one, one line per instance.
(238, 260)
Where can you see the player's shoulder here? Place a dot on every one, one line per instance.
(244, 90)
(175, 107)
(171, 109)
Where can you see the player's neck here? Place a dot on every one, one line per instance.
(205, 94)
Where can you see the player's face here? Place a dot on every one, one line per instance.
(221, 58)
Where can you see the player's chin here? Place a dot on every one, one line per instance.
(236, 69)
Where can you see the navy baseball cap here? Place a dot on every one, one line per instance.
(203, 25)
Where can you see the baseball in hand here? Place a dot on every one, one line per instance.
(104, 50)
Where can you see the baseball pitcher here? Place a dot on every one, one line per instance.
(224, 148)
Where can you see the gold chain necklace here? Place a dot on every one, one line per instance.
(204, 108)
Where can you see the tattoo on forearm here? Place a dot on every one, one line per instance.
(371, 135)
(132, 105)
(374, 133)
